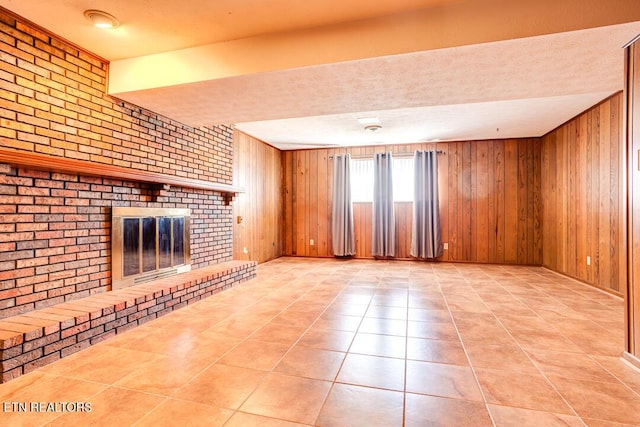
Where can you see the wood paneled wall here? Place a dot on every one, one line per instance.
(582, 197)
(257, 168)
(489, 201)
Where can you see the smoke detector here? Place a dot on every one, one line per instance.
(373, 128)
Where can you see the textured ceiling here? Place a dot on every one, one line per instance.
(447, 94)
(560, 64)
(462, 122)
(509, 86)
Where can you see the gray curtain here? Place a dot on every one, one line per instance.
(384, 225)
(343, 237)
(426, 240)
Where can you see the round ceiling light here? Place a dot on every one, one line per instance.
(101, 19)
(372, 128)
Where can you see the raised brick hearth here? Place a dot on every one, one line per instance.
(43, 336)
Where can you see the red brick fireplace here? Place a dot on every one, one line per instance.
(55, 219)
(55, 227)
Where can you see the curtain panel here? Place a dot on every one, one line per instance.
(384, 226)
(343, 238)
(426, 241)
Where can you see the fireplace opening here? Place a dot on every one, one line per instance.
(148, 243)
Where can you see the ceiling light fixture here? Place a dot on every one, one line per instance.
(100, 19)
(372, 128)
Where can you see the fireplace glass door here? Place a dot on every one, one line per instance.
(149, 243)
(130, 246)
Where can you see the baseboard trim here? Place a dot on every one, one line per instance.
(632, 360)
(604, 290)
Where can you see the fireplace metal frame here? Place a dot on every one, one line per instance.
(118, 214)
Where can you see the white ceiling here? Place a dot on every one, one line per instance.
(512, 88)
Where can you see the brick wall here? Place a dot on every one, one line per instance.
(53, 101)
(55, 228)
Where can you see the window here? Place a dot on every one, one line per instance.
(403, 179)
(362, 180)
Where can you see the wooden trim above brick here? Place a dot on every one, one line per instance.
(66, 165)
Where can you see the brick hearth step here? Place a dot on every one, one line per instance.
(37, 338)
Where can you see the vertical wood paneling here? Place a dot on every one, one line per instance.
(314, 183)
(511, 201)
(404, 222)
(523, 207)
(582, 196)
(490, 201)
(466, 200)
(443, 193)
(604, 225)
(499, 192)
(324, 216)
(481, 203)
(300, 204)
(618, 196)
(488, 213)
(259, 169)
(562, 200)
(533, 200)
(582, 211)
(549, 201)
(452, 209)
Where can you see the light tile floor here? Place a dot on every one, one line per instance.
(358, 343)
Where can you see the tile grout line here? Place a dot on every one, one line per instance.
(464, 348)
(334, 382)
(292, 345)
(534, 364)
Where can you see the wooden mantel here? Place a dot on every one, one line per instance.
(65, 165)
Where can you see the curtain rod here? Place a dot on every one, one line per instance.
(397, 156)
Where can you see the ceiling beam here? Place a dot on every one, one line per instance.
(449, 25)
